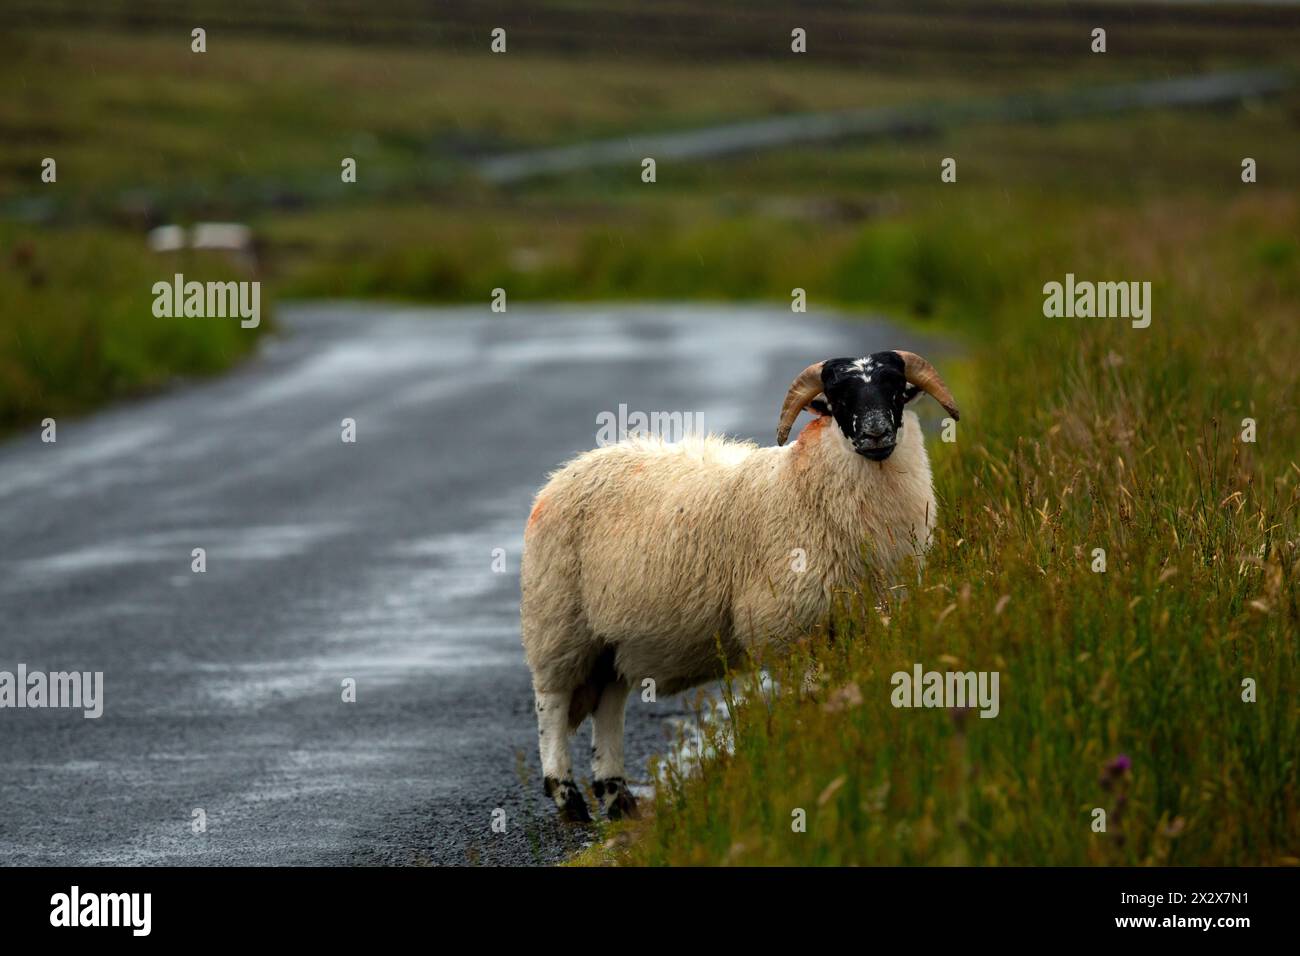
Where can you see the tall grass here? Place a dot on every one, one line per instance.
(1076, 435)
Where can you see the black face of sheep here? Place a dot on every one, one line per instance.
(867, 396)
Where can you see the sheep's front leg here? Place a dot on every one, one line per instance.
(607, 753)
(557, 767)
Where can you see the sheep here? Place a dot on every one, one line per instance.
(645, 559)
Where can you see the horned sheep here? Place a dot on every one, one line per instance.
(645, 559)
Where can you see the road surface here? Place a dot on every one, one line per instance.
(327, 561)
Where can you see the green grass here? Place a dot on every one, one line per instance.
(1076, 434)
(77, 326)
(841, 223)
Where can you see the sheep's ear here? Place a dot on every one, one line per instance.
(820, 406)
(911, 392)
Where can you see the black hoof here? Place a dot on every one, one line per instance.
(575, 808)
(615, 797)
(568, 798)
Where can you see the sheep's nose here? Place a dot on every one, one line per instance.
(875, 436)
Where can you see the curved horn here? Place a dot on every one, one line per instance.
(922, 374)
(802, 391)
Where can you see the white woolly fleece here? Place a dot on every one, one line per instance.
(663, 552)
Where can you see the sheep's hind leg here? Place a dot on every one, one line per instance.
(607, 753)
(557, 767)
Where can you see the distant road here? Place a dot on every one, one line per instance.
(751, 136)
(325, 561)
(737, 138)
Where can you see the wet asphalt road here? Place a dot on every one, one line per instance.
(326, 561)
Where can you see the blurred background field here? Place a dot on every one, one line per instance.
(146, 132)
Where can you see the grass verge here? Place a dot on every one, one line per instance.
(1123, 691)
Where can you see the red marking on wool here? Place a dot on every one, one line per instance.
(537, 510)
(812, 430)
